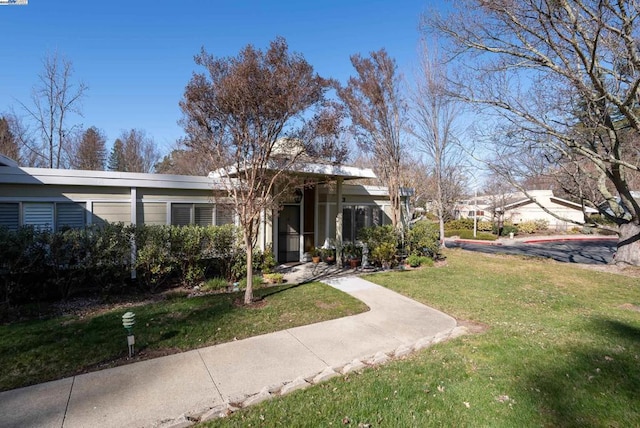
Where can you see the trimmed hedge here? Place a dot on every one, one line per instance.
(41, 265)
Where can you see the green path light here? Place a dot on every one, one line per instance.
(128, 321)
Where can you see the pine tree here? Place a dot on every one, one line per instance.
(117, 160)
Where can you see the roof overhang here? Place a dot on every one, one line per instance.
(311, 169)
(70, 177)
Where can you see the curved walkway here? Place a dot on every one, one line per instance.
(198, 385)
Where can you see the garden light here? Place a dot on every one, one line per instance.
(128, 321)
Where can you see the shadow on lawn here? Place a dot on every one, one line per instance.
(591, 386)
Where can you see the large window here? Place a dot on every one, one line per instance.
(357, 217)
(43, 215)
(10, 216)
(201, 214)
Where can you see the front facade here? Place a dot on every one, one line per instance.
(55, 199)
(518, 208)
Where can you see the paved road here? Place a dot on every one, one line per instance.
(590, 252)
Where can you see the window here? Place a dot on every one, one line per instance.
(200, 214)
(357, 217)
(53, 216)
(70, 215)
(10, 216)
(224, 215)
(38, 214)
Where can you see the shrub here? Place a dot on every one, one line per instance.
(257, 282)
(462, 223)
(384, 254)
(528, 226)
(507, 228)
(154, 260)
(468, 234)
(484, 226)
(214, 284)
(415, 260)
(423, 238)
(274, 278)
(268, 260)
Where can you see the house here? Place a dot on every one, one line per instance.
(518, 208)
(58, 198)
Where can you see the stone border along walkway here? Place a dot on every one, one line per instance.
(300, 273)
(277, 390)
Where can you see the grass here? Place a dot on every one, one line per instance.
(41, 350)
(561, 347)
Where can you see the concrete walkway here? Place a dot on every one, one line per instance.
(198, 385)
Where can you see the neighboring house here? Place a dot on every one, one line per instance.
(525, 209)
(55, 198)
(519, 208)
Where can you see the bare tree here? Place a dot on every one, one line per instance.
(434, 114)
(89, 151)
(184, 161)
(54, 100)
(8, 142)
(378, 113)
(561, 79)
(133, 151)
(257, 115)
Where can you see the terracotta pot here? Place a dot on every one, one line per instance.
(315, 259)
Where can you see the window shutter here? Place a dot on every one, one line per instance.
(204, 215)
(39, 215)
(70, 215)
(10, 216)
(181, 214)
(224, 215)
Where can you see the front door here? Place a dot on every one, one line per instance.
(289, 234)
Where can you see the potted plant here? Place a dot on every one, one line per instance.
(315, 255)
(352, 254)
(328, 255)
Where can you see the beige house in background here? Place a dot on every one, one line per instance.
(518, 208)
(59, 198)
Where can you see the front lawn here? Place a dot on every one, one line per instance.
(559, 346)
(41, 350)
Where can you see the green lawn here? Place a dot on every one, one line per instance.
(561, 348)
(42, 350)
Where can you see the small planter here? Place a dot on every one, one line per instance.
(354, 263)
(315, 259)
(329, 260)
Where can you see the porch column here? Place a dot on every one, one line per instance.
(339, 221)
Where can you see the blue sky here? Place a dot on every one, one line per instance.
(137, 56)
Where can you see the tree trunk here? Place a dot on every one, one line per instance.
(248, 294)
(628, 245)
(441, 227)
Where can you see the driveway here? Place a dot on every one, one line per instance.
(570, 251)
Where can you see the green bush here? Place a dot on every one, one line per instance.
(506, 229)
(215, 284)
(423, 239)
(268, 260)
(527, 227)
(257, 282)
(484, 226)
(462, 223)
(155, 261)
(36, 265)
(381, 241)
(415, 260)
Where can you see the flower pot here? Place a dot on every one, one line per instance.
(315, 259)
(354, 263)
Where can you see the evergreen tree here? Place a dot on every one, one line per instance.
(117, 160)
(90, 151)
